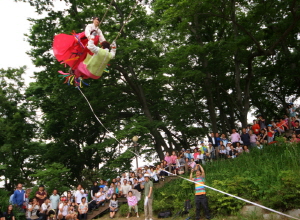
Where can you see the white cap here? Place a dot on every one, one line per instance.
(146, 175)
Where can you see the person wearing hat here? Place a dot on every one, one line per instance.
(41, 195)
(200, 193)
(148, 190)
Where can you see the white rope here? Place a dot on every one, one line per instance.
(101, 122)
(245, 200)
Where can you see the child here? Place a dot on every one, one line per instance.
(83, 208)
(246, 149)
(222, 153)
(113, 206)
(270, 133)
(132, 203)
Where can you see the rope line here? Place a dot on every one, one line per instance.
(106, 12)
(237, 197)
(125, 22)
(113, 136)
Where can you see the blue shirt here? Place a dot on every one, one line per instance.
(19, 197)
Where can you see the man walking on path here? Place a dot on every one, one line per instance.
(200, 194)
(148, 197)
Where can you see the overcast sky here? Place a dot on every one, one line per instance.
(14, 24)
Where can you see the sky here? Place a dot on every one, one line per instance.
(14, 24)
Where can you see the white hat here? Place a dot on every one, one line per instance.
(118, 176)
(146, 175)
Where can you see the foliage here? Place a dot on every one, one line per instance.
(54, 176)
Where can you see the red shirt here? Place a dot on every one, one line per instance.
(41, 201)
(256, 128)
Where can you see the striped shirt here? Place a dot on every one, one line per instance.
(200, 189)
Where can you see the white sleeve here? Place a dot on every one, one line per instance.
(113, 49)
(101, 36)
(91, 46)
(88, 30)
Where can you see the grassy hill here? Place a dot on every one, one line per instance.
(269, 176)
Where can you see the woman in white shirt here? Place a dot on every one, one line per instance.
(63, 208)
(82, 209)
(154, 175)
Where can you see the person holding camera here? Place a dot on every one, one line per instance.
(200, 194)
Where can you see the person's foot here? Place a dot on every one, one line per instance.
(137, 215)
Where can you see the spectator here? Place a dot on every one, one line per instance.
(210, 152)
(281, 126)
(235, 137)
(113, 206)
(255, 127)
(212, 139)
(132, 203)
(296, 129)
(253, 139)
(79, 194)
(41, 195)
(32, 210)
(70, 197)
(218, 139)
(292, 110)
(246, 149)
(201, 158)
(173, 161)
(72, 213)
(94, 189)
(137, 185)
(28, 210)
(263, 136)
(232, 153)
(261, 122)
(124, 177)
(245, 137)
(270, 133)
(9, 214)
(259, 145)
(239, 148)
(27, 194)
(54, 198)
(110, 191)
(200, 194)
(154, 175)
(46, 207)
(224, 139)
(202, 148)
(125, 188)
(168, 159)
(82, 209)
(223, 153)
(188, 154)
(63, 208)
(192, 163)
(148, 197)
(196, 153)
(294, 138)
(119, 190)
(19, 196)
(102, 184)
(98, 200)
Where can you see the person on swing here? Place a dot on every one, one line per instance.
(93, 66)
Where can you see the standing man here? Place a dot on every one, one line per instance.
(200, 194)
(19, 196)
(79, 194)
(41, 195)
(148, 186)
(235, 137)
(212, 139)
(54, 199)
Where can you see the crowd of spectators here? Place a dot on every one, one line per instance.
(75, 205)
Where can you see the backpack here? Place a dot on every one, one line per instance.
(165, 214)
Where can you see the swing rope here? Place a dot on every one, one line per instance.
(126, 21)
(112, 134)
(106, 12)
